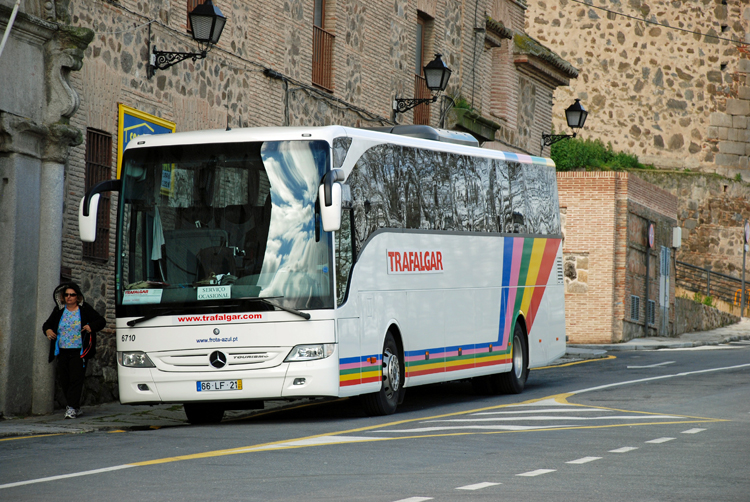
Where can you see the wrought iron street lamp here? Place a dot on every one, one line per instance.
(207, 23)
(576, 115)
(436, 74)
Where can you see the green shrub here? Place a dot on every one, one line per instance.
(577, 153)
(738, 177)
(705, 300)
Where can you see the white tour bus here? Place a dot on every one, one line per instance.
(275, 263)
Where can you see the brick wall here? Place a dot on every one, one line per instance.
(651, 196)
(606, 216)
(589, 200)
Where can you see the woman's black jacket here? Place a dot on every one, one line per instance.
(88, 316)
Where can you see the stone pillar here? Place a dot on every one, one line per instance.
(35, 140)
(19, 219)
(51, 187)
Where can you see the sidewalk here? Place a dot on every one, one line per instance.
(114, 417)
(733, 333)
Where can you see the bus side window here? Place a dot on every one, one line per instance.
(345, 253)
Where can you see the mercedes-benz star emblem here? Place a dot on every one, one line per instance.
(216, 331)
(217, 359)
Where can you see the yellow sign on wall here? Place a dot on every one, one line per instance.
(134, 123)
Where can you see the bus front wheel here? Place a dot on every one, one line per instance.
(200, 413)
(386, 400)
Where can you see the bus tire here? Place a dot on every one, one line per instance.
(514, 381)
(385, 401)
(199, 413)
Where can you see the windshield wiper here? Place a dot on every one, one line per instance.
(267, 301)
(133, 322)
(169, 310)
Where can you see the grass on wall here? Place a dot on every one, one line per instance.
(592, 155)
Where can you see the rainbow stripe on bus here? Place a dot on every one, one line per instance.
(527, 264)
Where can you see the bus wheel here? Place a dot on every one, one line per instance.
(198, 413)
(514, 381)
(386, 400)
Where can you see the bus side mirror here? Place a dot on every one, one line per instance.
(330, 215)
(87, 223)
(89, 205)
(329, 194)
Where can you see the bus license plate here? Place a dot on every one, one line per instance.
(219, 385)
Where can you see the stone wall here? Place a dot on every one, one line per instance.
(675, 99)
(711, 211)
(692, 316)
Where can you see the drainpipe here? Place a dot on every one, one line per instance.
(648, 273)
(10, 25)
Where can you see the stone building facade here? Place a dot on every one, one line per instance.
(263, 73)
(605, 218)
(711, 211)
(676, 99)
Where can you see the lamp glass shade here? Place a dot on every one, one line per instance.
(437, 74)
(207, 22)
(576, 115)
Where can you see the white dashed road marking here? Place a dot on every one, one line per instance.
(624, 449)
(415, 499)
(693, 431)
(537, 472)
(477, 486)
(660, 440)
(583, 460)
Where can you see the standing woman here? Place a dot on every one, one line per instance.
(71, 329)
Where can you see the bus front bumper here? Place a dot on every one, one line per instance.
(319, 378)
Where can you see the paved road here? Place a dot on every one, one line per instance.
(650, 425)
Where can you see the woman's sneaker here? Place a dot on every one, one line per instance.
(70, 412)
(78, 412)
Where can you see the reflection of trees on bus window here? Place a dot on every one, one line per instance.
(402, 187)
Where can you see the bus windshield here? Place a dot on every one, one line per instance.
(206, 226)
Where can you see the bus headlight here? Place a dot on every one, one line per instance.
(310, 352)
(134, 360)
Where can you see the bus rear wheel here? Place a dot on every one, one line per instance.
(386, 400)
(514, 381)
(200, 413)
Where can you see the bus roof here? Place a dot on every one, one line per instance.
(327, 133)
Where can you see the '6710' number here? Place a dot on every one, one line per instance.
(128, 338)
